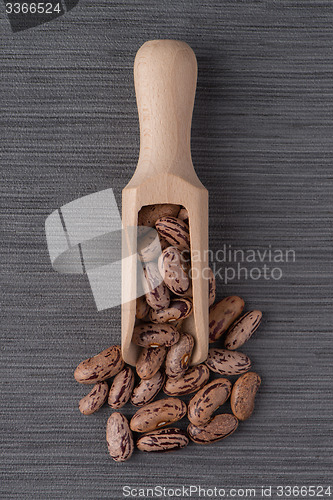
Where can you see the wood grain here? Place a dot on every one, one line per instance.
(165, 76)
(261, 144)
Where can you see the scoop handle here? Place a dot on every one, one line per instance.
(165, 76)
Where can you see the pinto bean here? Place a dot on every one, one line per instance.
(119, 437)
(207, 400)
(155, 335)
(190, 382)
(149, 214)
(147, 389)
(220, 427)
(104, 365)
(242, 330)
(183, 214)
(222, 315)
(211, 287)
(175, 231)
(121, 388)
(149, 246)
(150, 361)
(163, 440)
(158, 414)
(157, 293)
(243, 395)
(179, 308)
(173, 269)
(227, 362)
(142, 308)
(95, 399)
(179, 355)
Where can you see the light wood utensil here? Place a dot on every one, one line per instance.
(165, 75)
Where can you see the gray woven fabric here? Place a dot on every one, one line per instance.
(262, 145)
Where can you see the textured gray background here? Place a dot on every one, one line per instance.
(262, 145)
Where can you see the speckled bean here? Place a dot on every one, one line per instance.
(157, 293)
(179, 308)
(183, 214)
(164, 243)
(243, 395)
(227, 362)
(175, 231)
(242, 330)
(190, 382)
(142, 308)
(187, 294)
(178, 324)
(173, 269)
(154, 335)
(95, 399)
(207, 400)
(222, 315)
(179, 355)
(150, 361)
(147, 389)
(211, 287)
(121, 388)
(149, 214)
(219, 427)
(163, 440)
(149, 246)
(119, 437)
(158, 414)
(104, 365)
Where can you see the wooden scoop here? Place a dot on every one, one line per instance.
(165, 75)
